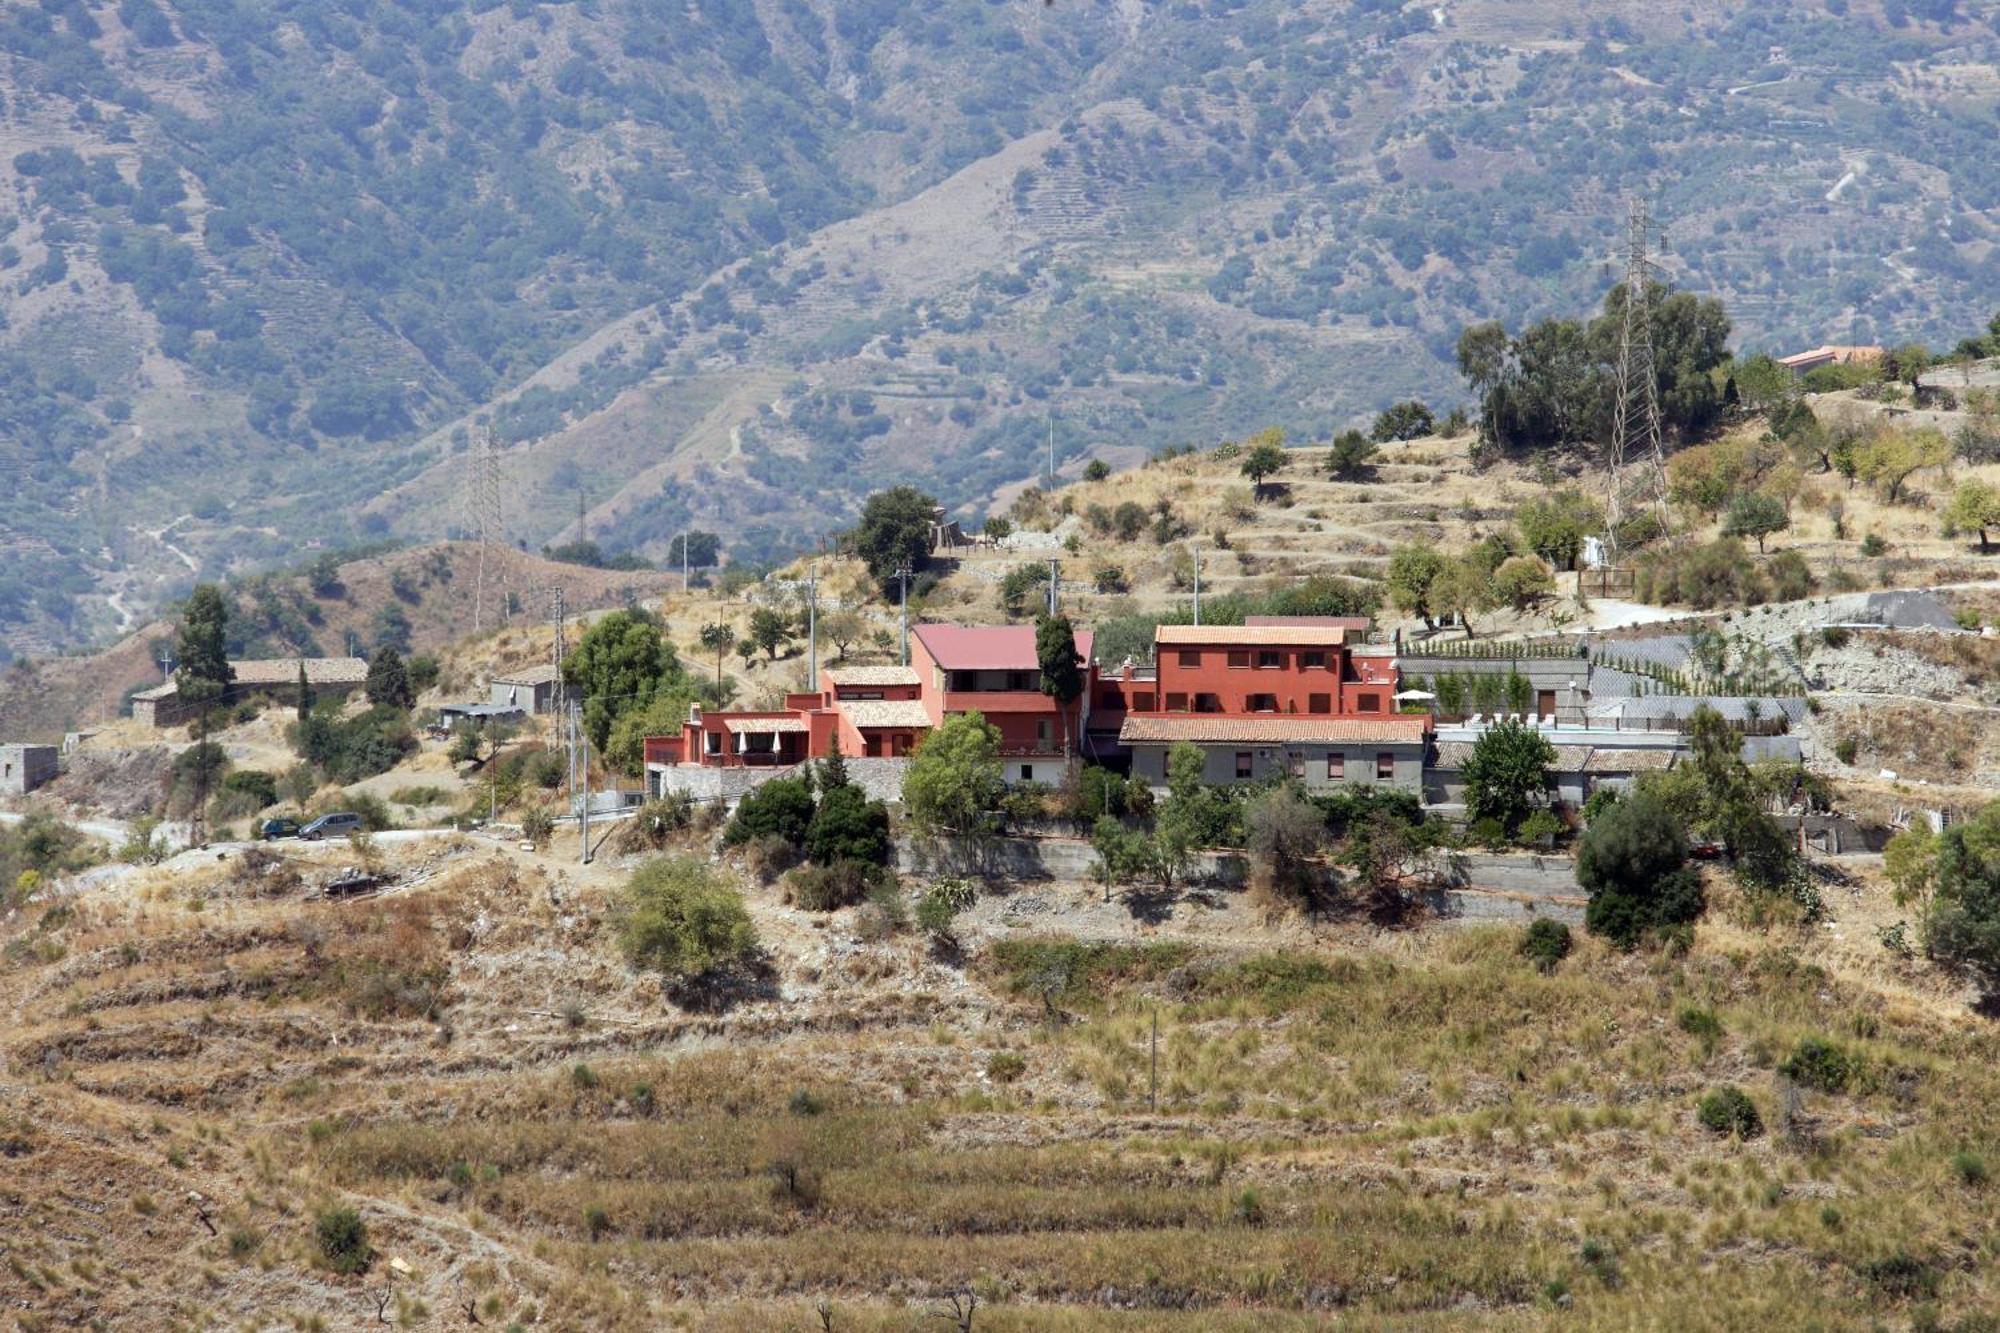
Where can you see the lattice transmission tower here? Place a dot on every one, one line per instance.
(1636, 430)
(484, 519)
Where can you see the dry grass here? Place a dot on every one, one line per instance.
(1416, 1130)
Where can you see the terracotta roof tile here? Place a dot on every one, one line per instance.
(872, 675)
(885, 713)
(1253, 636)
(1271, 729)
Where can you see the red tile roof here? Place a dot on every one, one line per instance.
(1271, 729)
(988, 647)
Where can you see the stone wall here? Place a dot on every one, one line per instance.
(882, 779)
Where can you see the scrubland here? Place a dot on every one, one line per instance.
(1413, 1128)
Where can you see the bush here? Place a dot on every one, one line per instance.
(655, 823)
(1699, 1023)
(1541, 829)
(828, 888)
(343, 1240)
(848, 827)
(1005, 1066)
(782, 808)
(1633, 863)
(1969, 1168)
(682, 921)
(1545, 943)
(1728, 1110)
(537, 825)
(1819, 1063)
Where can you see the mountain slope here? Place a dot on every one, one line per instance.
(267, 263)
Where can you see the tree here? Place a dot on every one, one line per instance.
(718, 639)
(1962, 929)
(1890, 458)
(302, 700)
(1523, 581)
(1283, 833)
(781, 808)
(1910, 861)
(1264, 458)
(1096, 470)
(388, 684)
(1755, 514)
(1404, 421)
(1506, 775)
(843, 627)
(770, 629)
(1061, 666)
(662, 715)
(1974, 507)
(1194, 814)
(896, 530)
(1351, 457)
(747, 650)
(1761, 383)
(1554, 526)
(953, 783)
(204, 672)
(1412, 577)
(1465, 586)
(1632, 861)
(848, 826)
(681, 920)
(621, 663)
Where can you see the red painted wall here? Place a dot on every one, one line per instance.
(1187, 671)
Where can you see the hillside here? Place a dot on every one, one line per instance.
(1409, 1128)
(421, 599)
(736, 270)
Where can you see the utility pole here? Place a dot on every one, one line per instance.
(583, 811)
(198, 820)
(559, 613)
(684, 562)
(812, 629)
(1055, 575)
(1050, 421)
(1196, 546)
(903, 575)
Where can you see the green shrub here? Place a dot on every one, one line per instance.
(1632, 863)
(1545, 943)
(1872, 545)
(537, 825)
(1005, 1066)
(1728, 1110)
(1819, 1063)
(1541, 829)
(1699, 1023)
(1970, 1168)
(805, 1102)
(343, 1240)
(1847, 749)
(1902, 1276)
(782, 808)
(681, 920)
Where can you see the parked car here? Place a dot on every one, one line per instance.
(337, 825)
(278, 828)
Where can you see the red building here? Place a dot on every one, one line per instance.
(992, 669)
(882, 712)
(1290, 696)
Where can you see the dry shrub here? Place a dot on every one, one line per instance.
(261, 872)
(390, 963)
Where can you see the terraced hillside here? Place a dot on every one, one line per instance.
(1412, 1128)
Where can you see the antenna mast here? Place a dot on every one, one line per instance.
(1635, 426)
